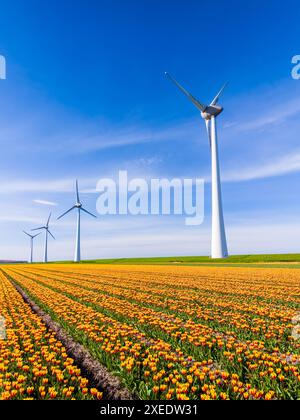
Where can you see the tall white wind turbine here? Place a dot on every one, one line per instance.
(31, 245)
(209, 113)
(47, 231)
(79, 207)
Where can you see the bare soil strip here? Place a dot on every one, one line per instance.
(97, 374)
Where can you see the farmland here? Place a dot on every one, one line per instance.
(232, 259)
(33, 363)
(167, 332)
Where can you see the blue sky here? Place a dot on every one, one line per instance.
(86, 96)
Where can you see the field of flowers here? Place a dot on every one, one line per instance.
(33, 363)
(173, 332)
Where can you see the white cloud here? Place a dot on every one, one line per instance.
(45, 202)
(88, 136)
(279, 166)
(15, 218)
(272, 115)
(109, 137)
(50, 185)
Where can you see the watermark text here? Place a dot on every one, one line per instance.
(296, 328)
(2, 328)
(2, 67)
(152, 197)
(296, 68)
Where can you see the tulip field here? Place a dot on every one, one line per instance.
(168, 332)
(33, 363)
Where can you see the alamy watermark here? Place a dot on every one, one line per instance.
(296, 68)
(139, 196)
(2, 67)
(296, 328)
(2, 328)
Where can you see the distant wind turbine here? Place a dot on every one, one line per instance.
(79, 207)
(209, 113)
(47, 231)
(31, 245)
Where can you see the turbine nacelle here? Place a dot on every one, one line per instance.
(77, 205)
(46, 227)
(211, 111)
(31, 236)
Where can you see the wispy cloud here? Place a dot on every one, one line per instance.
(277, 114)
(85, 136)
(51, 186)
(279, 166)
(105, 136)
(45, 202)
(15, 218)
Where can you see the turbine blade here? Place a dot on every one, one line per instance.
(66, 212)
(50, 233)
(208, 126)
(91, 214)
(77, 192)
(30, 236)
(40, 228)
(215, 101)
(195, 101)
(47, 224)
(35, 235)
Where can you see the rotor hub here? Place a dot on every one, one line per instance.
(206, 116)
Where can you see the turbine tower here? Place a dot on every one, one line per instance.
(47, 231)
(209, 113)
(78, 206)
(31, 245)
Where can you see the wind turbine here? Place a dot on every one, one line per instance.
(31, 245)
(47, 231)
(79, 207)
(209, 113)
